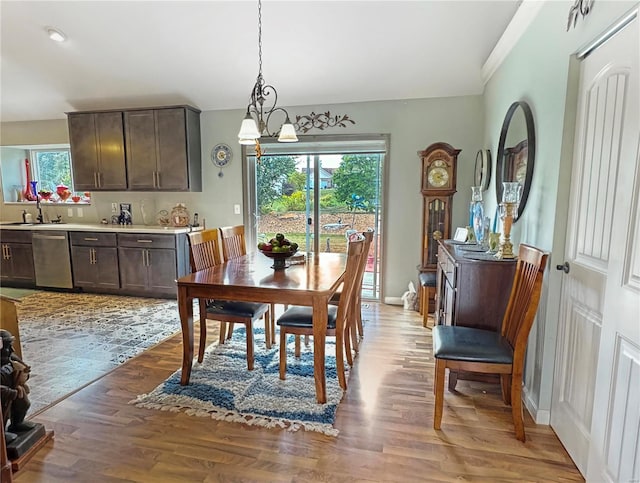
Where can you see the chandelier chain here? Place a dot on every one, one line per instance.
(259, 39)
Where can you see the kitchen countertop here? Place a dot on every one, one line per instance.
(173, 230)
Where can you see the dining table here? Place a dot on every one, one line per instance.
(251, 278)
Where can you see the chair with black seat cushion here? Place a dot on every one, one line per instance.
(427, 295)
(299, 320)
(204, 252)
(356, 328)
(484, 351)
(233, 246)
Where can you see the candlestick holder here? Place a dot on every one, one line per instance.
(508, 214)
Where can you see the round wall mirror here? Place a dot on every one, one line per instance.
(516, 151)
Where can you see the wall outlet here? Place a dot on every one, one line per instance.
(114, 207)
(236, 209)
(70, 212)
(80, 213)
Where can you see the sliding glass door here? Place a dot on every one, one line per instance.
(315, 191)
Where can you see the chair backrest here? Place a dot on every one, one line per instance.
(233, 242)
(523, 302)
(368, 238)
(355, 252)
(204, 249)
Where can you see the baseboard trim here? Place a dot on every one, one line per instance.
(539, 416)
(393, 301)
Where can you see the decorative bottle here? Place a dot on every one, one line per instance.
(476, 213)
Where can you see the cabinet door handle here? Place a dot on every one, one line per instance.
(144, 241)
(90, 239)
(5, 252)
(148, 258)
(157, 179)
(95, 179)
(8, 252)
(93, 254)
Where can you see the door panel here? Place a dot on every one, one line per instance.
(597, 419)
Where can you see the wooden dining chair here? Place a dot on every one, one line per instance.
(476, 350)
(356, 328)
(298, 320)
(233, 246)
(204, 252)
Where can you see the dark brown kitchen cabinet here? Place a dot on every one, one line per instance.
(163, 149)
(17, 267)
(150, 264)
(94, 258)
(97, 151)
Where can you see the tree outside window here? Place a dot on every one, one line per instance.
(52, 168)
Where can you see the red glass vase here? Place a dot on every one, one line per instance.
(28, 194)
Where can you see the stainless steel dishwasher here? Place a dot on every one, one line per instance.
(51, 259)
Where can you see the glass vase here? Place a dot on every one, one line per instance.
(476, 214)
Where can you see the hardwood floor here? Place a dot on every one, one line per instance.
(385, 423)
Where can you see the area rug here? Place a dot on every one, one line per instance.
(222, 388)
(71, 339)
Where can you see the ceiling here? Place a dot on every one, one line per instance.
(205, 53)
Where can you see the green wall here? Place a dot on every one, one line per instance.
(539, 70)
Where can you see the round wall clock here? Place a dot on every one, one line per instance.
(221, 156)
(482, 174)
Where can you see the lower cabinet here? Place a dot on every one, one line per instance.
(150, 264)
(17, 258)
(94, 257)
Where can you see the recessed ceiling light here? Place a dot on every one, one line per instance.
(56, 35)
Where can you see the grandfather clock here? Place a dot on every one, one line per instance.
(438, 187)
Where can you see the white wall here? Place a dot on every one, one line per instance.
(538, 71)
(413, 125)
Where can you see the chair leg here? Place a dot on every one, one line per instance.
(223, 332)
(353, 325)
(230, 331)
(297, 346)
(272, 325)
(267, 329)
(306, 340)
(350, 329)
(359, 320)
(203, 329)
(340, 344)
(453, 380)
(516, 406)
(283, 353)
(439, 390)
(505, 386)
(249, 346)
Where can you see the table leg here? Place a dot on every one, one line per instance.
(185, 307)
(319, 335)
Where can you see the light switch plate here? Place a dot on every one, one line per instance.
(70, 212)
(114, 207)
(236, 209)
(80, 213)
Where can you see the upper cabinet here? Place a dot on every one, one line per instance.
(159, 150)
(163, 149)
(97, 151)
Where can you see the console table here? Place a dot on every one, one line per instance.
(472, 290)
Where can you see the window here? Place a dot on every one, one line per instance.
(51, 167)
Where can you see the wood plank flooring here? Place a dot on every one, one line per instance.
(385, 423)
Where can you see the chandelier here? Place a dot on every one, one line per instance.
(260, 109)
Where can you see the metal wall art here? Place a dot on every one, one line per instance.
(321, 121)
(580, 7)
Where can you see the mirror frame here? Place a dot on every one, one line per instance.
(531, 153)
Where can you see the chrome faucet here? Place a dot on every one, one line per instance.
(40, 217)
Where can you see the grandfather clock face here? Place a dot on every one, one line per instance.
(438, 187)
(438, 173)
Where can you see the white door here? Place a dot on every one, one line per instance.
(600, 302)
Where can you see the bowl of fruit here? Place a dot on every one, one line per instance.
(278, 248)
